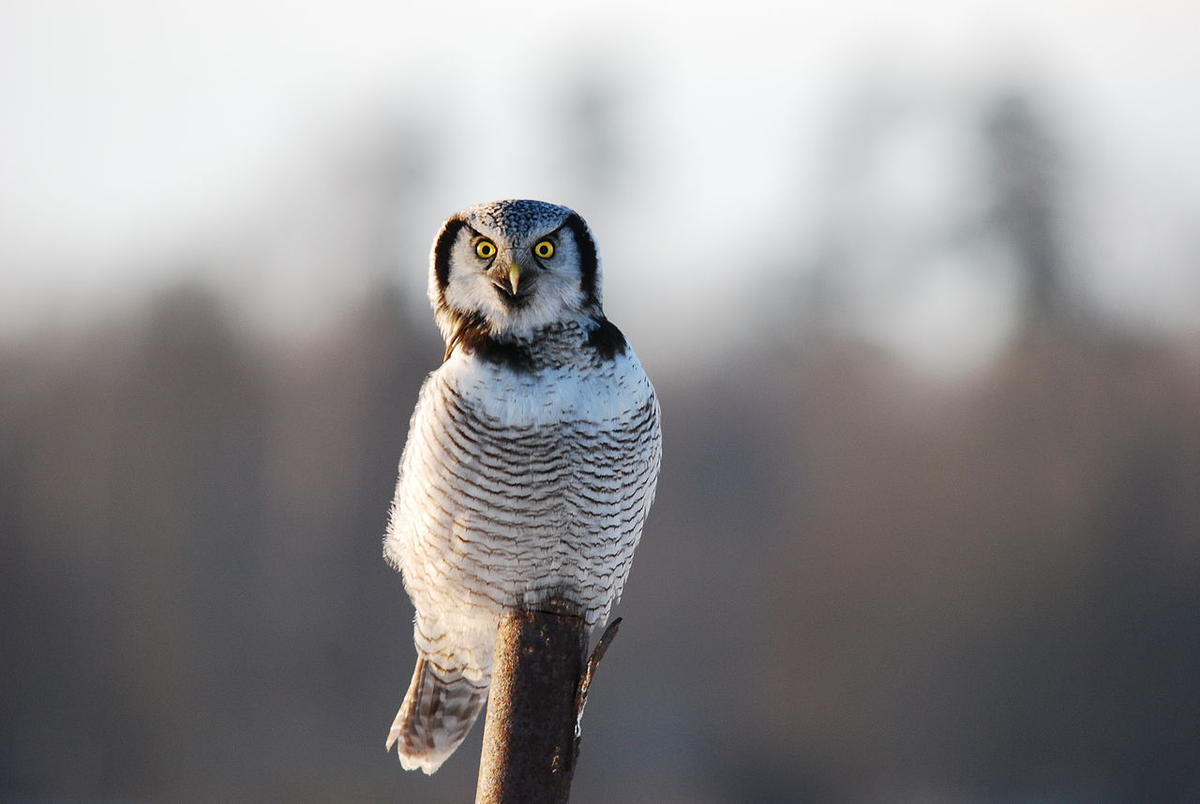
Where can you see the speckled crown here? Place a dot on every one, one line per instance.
(516, 216)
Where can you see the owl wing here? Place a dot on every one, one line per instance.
(612, 487)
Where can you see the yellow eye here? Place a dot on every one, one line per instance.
(544, 249)
(485, 249)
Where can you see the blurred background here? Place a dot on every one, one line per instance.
(917, 284)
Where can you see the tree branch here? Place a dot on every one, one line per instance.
(540, 683)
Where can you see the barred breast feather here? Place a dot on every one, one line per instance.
(521, 480)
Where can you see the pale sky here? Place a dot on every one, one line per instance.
(132, 128)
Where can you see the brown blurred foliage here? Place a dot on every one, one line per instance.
(852, 588)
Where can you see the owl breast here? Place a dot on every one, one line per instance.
(518, 485)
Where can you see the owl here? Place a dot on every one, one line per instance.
(531, 460)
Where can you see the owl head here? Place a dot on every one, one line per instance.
(507, 268)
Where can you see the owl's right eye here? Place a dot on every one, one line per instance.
(485, 249)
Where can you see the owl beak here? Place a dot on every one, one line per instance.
(514, 276)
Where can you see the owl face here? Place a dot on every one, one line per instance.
(512, 267)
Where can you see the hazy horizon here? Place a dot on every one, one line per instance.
(152, 144)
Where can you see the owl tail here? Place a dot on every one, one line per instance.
(436, 715)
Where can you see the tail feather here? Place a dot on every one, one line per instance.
(438, 711)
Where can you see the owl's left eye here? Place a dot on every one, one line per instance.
(544, 249)
(485, 249)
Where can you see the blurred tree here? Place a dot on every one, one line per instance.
(1025, 168)
(595, 158)
(187, 512)
(898, 252)
(385, 170)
